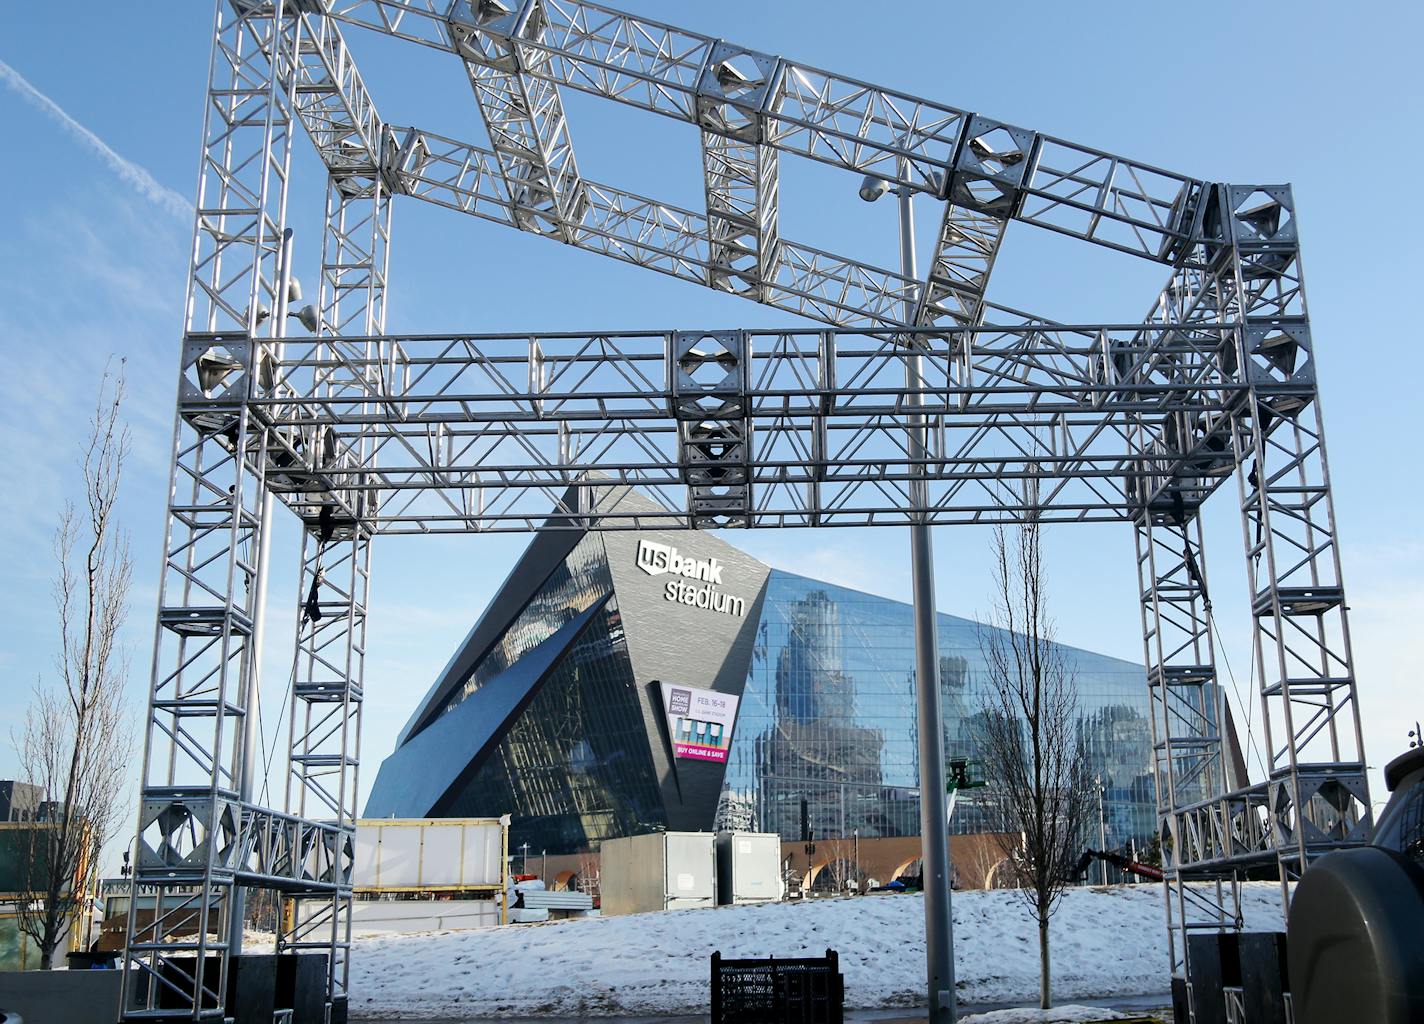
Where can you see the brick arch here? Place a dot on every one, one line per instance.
(900, 871)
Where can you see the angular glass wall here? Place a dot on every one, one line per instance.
(579, 581)
(825, 736)
(574, 768)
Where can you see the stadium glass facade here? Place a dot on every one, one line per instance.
(828, 717)
(551, 712)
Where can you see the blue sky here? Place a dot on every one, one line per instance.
(94, 243)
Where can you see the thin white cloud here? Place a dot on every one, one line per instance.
(129, 172)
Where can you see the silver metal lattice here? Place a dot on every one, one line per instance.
(1008, 416)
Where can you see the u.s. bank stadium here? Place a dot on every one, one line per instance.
(627, 682)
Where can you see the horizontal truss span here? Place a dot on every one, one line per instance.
(792, 427)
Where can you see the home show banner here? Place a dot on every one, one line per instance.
(699, 722)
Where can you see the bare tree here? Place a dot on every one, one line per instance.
(841, 872)
(76, 740)
(1029, 740)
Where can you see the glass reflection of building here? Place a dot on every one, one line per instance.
(828, 717)
(550, 709)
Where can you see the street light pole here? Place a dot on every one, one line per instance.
(934, 815)
(251, 684)
(1102, 827)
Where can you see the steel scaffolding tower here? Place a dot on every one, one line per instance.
(361, 433)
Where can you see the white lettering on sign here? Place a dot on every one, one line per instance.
(658, 559)
(663, 559)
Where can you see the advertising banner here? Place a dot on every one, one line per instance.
(699, 722)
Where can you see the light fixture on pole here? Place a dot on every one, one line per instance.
(872, 188)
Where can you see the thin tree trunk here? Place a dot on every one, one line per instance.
(48, 945)
(1044, 995)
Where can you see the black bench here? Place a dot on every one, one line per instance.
(778, 991)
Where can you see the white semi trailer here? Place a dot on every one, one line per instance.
(416, 874)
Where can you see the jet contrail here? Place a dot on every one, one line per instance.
(142, 182)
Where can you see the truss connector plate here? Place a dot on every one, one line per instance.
(1323, 806)
(1278, 355)
(204, 622)
(1181, 675)
(1261, 216)
(328, 692)
(991, 165)
(1297, 601)
(1185, 222)
(181, 834)
(709, 375)
(734, 90)
(216, 370)
(486, 32)
(399, 154)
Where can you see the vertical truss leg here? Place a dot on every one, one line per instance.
(334, 583)
(1186, 716)
(193, 832)
(1317, 793)
(325, 735)
(1317, 796)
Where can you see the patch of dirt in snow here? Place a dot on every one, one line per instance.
(1105, 942)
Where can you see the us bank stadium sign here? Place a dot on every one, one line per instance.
(698, 580)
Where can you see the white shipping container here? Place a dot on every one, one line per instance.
(748, 867)
(405, 854)
(657, 871)
(423, 915)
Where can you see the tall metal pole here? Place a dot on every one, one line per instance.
(252, 685)
(1102, 827)
(934, 816)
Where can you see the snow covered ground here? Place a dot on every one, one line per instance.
(1105, 941)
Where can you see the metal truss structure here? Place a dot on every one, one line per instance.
(1009, 417)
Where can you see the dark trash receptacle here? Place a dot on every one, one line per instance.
(809, 990)
(107, 960)
(1215, 966)
(301, 986)
(252, 988)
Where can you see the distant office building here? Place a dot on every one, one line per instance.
(623, 682)
(20, 801)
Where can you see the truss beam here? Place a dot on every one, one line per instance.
(1187, 716)
(484, 432)
(739, 171)
(523, 113)
(1075, 190)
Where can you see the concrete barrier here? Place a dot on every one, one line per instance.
(61, 997)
